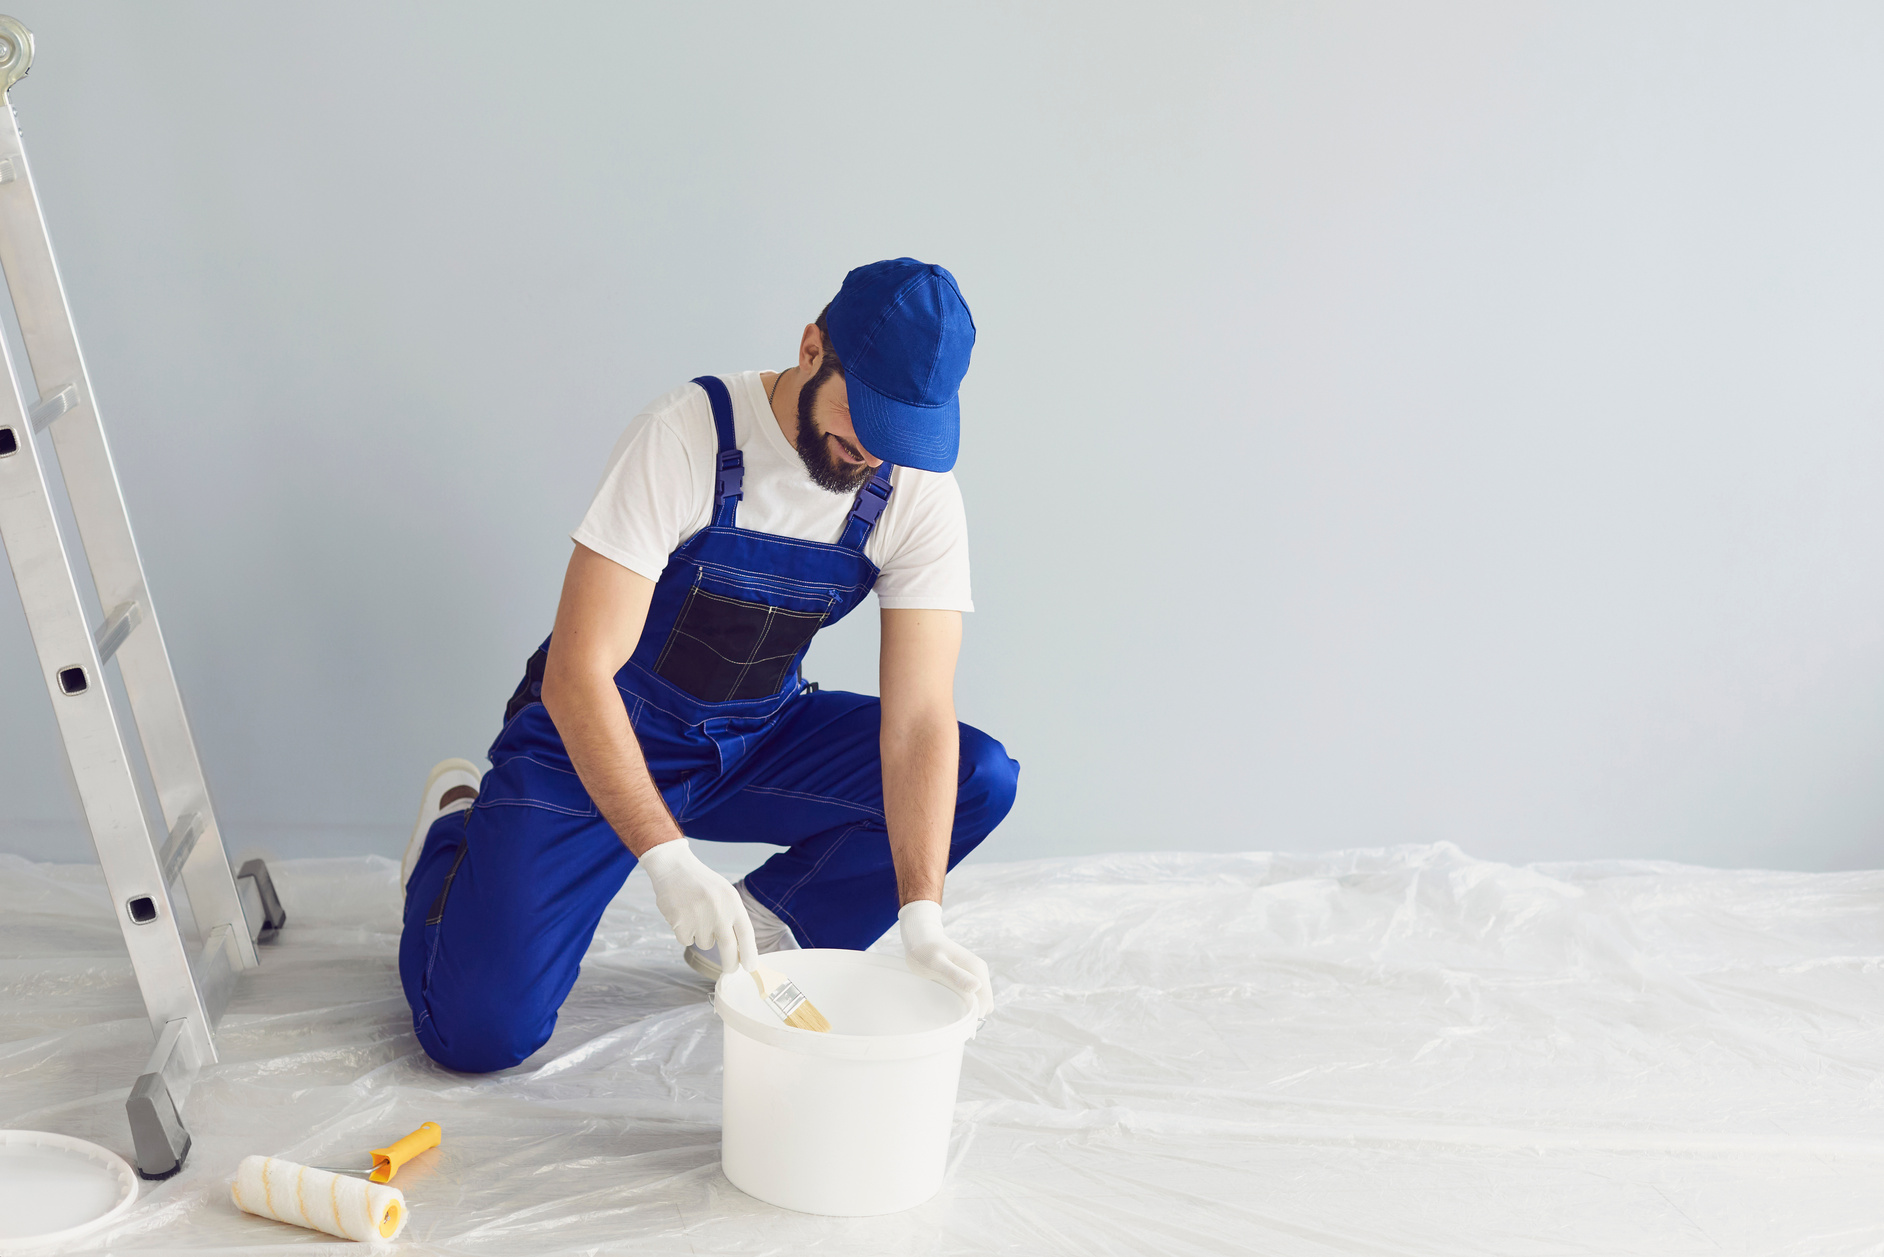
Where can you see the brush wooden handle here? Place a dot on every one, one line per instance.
(790, 1003)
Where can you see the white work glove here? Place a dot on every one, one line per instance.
(929, 952)
(704, 908)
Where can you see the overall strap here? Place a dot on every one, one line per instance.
(730, 479)
(871, 499)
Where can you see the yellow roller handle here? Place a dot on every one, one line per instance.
(387, 1160)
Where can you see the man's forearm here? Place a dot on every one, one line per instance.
(919, 768)
(601, 742)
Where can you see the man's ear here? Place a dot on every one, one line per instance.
(811, 347)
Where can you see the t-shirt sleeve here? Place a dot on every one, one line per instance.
(928, 569)
(647, 500)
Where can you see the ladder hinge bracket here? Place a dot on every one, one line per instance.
(16, 51)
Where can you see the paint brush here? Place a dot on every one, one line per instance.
(788, 1001)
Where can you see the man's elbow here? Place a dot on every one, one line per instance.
(566, 682)
(921, 726)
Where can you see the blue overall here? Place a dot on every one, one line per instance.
(506, 896)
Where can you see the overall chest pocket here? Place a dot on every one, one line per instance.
(725, 648)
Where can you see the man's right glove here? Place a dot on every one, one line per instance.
(930, 953)
(703, 907)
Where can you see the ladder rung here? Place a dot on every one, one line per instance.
(215, 970)
(49, 408)
(116, 628)
(182, 841)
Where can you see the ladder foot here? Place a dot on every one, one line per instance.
(157, 1131)
(273, 916)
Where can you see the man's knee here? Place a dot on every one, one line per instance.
(485, 1027)
(987, 781)
(477, 1004)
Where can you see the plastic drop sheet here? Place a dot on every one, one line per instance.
(1398, 1051)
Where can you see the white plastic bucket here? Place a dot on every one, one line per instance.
(55, 1189)
(851, 1122)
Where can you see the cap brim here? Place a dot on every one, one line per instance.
(924, 437)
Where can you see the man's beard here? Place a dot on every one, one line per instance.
(826, 472)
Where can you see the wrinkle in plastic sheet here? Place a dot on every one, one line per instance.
(1392, 1051)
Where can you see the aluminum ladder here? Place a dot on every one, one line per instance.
(185, 982)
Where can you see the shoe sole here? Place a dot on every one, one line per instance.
(428, 812)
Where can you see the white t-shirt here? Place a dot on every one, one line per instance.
(657, 491)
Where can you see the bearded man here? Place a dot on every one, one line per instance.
(736, 517)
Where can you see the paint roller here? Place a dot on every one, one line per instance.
(339, 1204)
(336, 1202)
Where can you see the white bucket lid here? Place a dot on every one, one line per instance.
(878, 1009)
(54, 1189)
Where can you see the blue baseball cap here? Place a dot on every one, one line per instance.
(904, 334)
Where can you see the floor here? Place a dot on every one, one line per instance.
(1393, 1051)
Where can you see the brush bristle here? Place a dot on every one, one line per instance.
(807, 1017)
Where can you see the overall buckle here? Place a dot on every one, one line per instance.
(874, 496)
(731, 481)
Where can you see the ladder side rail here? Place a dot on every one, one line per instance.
(94, 744)
(91, 485)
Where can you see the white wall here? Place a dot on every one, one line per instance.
(1389, 422)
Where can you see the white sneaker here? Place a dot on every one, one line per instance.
(452, 787)
(768, 932)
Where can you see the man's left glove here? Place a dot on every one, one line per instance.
(704, 908)
(933, 954)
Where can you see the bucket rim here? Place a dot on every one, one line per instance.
(832, 1045)
(108, 1163)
